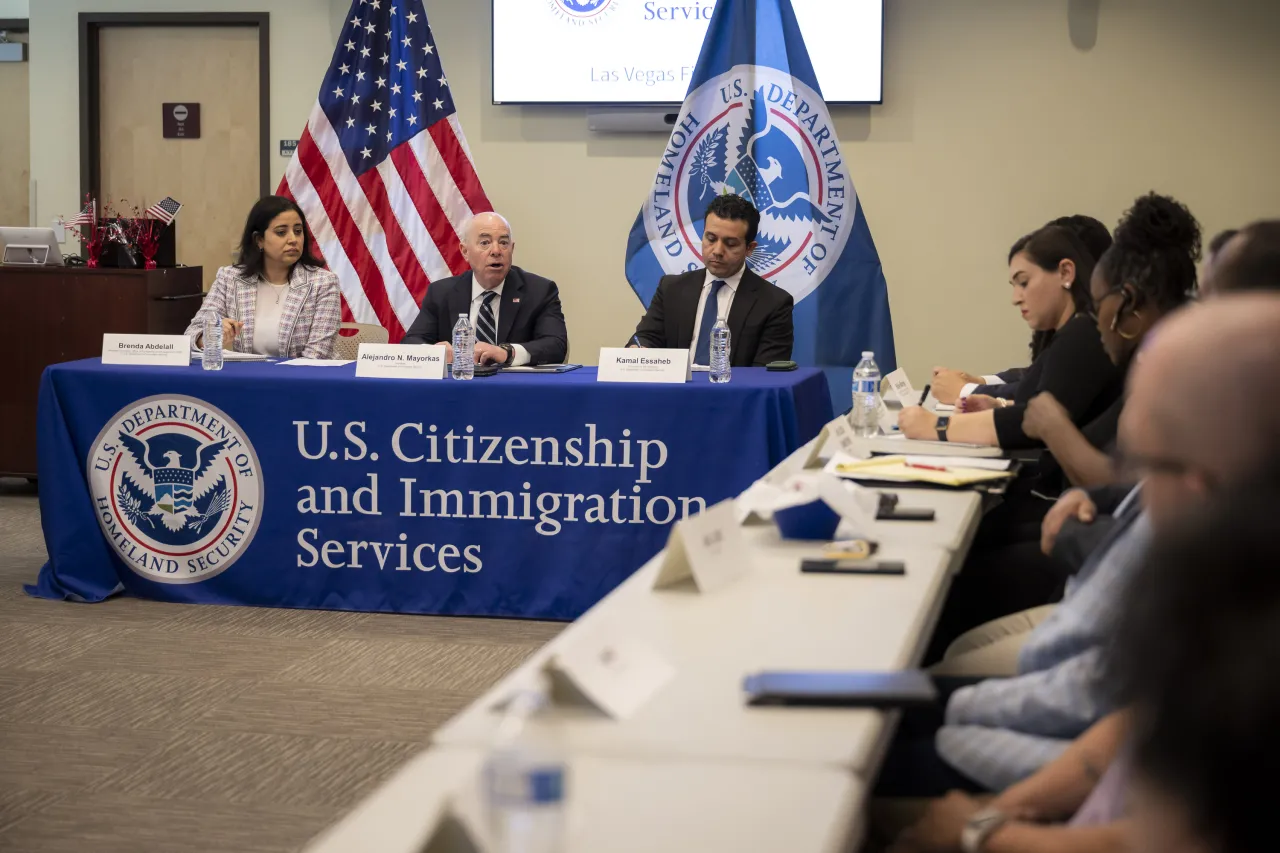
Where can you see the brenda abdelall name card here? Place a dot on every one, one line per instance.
(164, 350)
(397, 361)
(634, 364)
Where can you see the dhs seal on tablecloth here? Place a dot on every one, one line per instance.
(759, 133)
(582, 11)
(177, 488)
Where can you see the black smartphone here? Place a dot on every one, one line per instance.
(489, 369)
(781, 365)
(905, 514)
(853, 567)
(902, 689)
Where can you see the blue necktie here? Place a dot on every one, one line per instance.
(702, 354)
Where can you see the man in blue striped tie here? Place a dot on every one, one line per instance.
(516, 314)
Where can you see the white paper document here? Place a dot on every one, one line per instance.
(961, 462)
(317, 362)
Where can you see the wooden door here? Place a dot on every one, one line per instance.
(216, 177)
(15, 146)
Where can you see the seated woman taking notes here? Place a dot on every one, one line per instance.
(1148, 272)
(1050, 271)
(277, 300)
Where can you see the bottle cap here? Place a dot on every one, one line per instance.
(868, 354)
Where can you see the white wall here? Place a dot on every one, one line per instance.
(14, 8)
(994, 121)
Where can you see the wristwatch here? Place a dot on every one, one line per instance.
(509, 350)
(944, 421)
(980, 827)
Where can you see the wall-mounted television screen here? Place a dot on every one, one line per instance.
(644, 51)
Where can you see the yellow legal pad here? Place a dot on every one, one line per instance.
(895, 468)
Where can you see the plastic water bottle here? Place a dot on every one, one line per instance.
(524, 784)
(720, 368)
(211, 358)
(464, 365)
(865, 417)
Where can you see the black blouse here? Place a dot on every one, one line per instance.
(1076, 370)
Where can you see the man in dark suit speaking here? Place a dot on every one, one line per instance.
(516, 314)
(686, 306)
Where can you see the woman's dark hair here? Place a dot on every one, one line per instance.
(1047, 248)
(1195, 654)
(266, 209)
(1156, 247)
(1094, 235)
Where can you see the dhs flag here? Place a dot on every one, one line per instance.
(754, 124)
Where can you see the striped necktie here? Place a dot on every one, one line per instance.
(486, 328)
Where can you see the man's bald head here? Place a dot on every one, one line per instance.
(1205, 394)
(488, 220)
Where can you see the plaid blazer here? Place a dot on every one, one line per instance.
(309, 319)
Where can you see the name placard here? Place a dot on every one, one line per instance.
(902, 387)
(633, 364)
(707, 547)
(615, 674)
(400, 361)
(163, 350)
(836, 436)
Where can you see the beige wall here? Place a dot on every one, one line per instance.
(993, 122)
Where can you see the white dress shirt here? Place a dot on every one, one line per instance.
(266, 318)
(519, 355)
(724, 299)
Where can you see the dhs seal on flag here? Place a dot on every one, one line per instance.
(177, 488)
(582, 11)
(759, 133)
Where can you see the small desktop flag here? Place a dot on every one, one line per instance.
(382, 171)
(754, 124)
(87, 216)
(164, 210)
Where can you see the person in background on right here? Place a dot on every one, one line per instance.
(1149, 271)
(948, 385)
(1195, 658)
(1184, 448)
(1247, 260)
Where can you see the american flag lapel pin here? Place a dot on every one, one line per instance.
(515, 300)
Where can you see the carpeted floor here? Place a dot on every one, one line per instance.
(140, 726)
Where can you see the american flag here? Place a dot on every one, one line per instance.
(87, 216)
(382, 170)
(164, 210)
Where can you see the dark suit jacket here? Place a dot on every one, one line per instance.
(759, 319)
(529, 314)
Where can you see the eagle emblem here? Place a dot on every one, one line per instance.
(768, 169)
(173, 491)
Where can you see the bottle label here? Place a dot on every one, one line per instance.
(866, 386)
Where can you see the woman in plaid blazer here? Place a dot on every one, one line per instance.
(278, 300)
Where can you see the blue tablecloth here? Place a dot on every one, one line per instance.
(526, 495)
